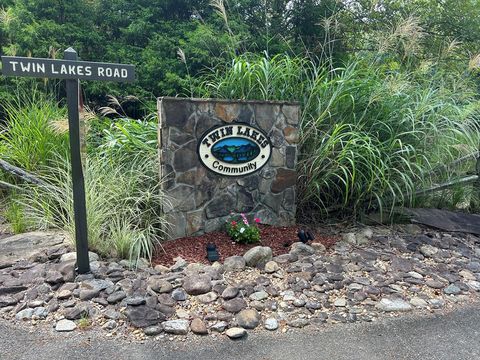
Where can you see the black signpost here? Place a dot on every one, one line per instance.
(73, 71)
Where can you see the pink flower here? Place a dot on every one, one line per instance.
(257, 220)
(245, 221)
(234, 223)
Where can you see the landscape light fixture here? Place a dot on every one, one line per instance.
(305, 236)
(212, 253)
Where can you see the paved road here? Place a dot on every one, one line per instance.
(453, 336)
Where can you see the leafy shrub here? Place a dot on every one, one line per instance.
(130, 138)
(241, 231)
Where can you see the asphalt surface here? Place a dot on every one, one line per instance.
(450, 336)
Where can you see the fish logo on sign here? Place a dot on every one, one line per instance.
(234, 150)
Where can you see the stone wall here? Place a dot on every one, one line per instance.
(201, 200)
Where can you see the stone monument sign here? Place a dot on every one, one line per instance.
(223, 156)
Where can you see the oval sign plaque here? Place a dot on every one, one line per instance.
(234, 150)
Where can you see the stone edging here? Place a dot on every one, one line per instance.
(309, 286)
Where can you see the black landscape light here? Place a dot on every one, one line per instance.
(305, 236)
(302, 236)
(212, 253)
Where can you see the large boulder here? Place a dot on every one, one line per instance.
(27, 245)
(258, 255)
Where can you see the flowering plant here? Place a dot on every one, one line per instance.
(241, 231)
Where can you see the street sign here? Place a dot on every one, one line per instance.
(72, 70)
(66, 69)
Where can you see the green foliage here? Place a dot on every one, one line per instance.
(84, 322)
(28, 138)
(387, 93)
(130, 138)
(370, 135)
(15, 215)
(258, 77)
(121, 177)
(148, 34)
(241, 231)
(123, 204)
(378, 135)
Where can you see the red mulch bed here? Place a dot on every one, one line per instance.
(193, 248)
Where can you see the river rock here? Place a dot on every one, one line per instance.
(418, 302)
(179, 265)
(271, 324)
(166, 299)
(234, 263)
(176, 327)
(65, 325)
(248, 319)
(89, 294)
(219, 326)
(25, 314)
(207, 298)
(428, 250)
(434, 284)
(452, 289)
(135, 300)
(301, 249)
(116, 297)
(236, 333)
(230, 292)
(234, 305)
(153, 330)
(393, 305)
(474, 285)
(54, 277)
(198, 327)
(318, 247)
(197, 284)
(259, 295)
(7, 301)
(63, 294)
(258, 255)
(111, 314)
(271, 267)
(179, 294)
(142, 316)
(159, 285)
